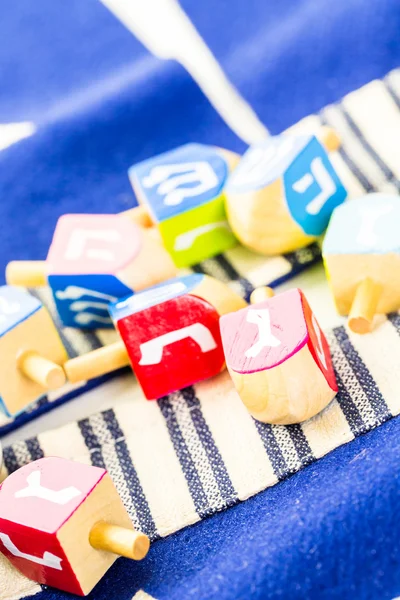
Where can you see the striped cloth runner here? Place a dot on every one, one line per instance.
(199, 447)
(368, 122)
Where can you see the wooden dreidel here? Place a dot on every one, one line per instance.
(362, 258)
(182, 193)
(281, 195)
(31, 351)
(63, 524)
(94, 260)
(170, 335)
(279, 359)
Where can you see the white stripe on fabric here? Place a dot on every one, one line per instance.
(383, 130)
(258, 269)
(328, 430)
(236, 436)
(197, 452)
(70, 445)
(287, 447)
(157, 466)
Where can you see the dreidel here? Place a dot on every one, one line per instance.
(63, 524)
(279, 358)
(170, 336)
(182, 193)
(31, 351)
(361, 253)
(94, 260)
(283, 191)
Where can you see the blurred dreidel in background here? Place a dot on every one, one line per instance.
(279, 359)
(361, 253)
(170, 336)
(31, 351)
(94, 260)
(182, 193)
(63, 524)
(282, 194)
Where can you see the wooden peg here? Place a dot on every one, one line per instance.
(41, 370)
(279, 359)
(55, 516)
(99, 362)
(119, 540)
(362, 258)
(94, 260)
(170, 335)
(28, 273)
(283, 192)
(260, 294)
(31, 350)
(182, 193)
(364, 306)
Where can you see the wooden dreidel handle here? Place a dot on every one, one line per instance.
(278, 358)
(283, 191)
(27, 273)
(364, 306)
(98, 362)
(41, 370)
(260, 294)
(119, 540)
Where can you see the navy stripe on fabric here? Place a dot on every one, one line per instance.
(349, 409)
(233, 275)
(217, 464)
(92, 339)
(390, 176)
(357, 172)
(301, 444)
(92, 443)
(273, 450)
(363, 376)
(302, 258)
(137, 494)
(34, 448)
(10, 459)
(195, 485)
(392, 92)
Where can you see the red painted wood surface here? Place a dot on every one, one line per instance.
(173, 345)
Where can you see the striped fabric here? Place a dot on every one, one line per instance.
(198, 451)
(367, 162)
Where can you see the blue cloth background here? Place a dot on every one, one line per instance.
(101, 103)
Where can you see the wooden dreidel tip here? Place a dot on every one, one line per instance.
(282, 194)
(63, 524)
(361, 253)
(170, 335)
(260, 294)
(119, 540)
(181, 192)
(279, 359)
(94, 260)
(31, 351)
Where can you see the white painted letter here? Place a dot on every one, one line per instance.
(261, 318)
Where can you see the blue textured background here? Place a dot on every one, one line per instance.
(101, 103)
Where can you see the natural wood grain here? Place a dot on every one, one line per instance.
(364, 306)
(27, 273)
(98, 362)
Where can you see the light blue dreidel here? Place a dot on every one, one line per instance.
(182, 193)
(31, 351)
(282, 194)
(362, 258)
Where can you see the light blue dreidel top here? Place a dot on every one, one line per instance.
(183, 191)
(362, 258)
(31, 351)
(282, 193)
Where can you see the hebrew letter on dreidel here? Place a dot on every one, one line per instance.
(261, 318)
(170, 177)
(184, 241)
(323, 179)
(8, 308)
(152, 350)
(36, 490)
(73, 292)
(80, 240)
(49, 560)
